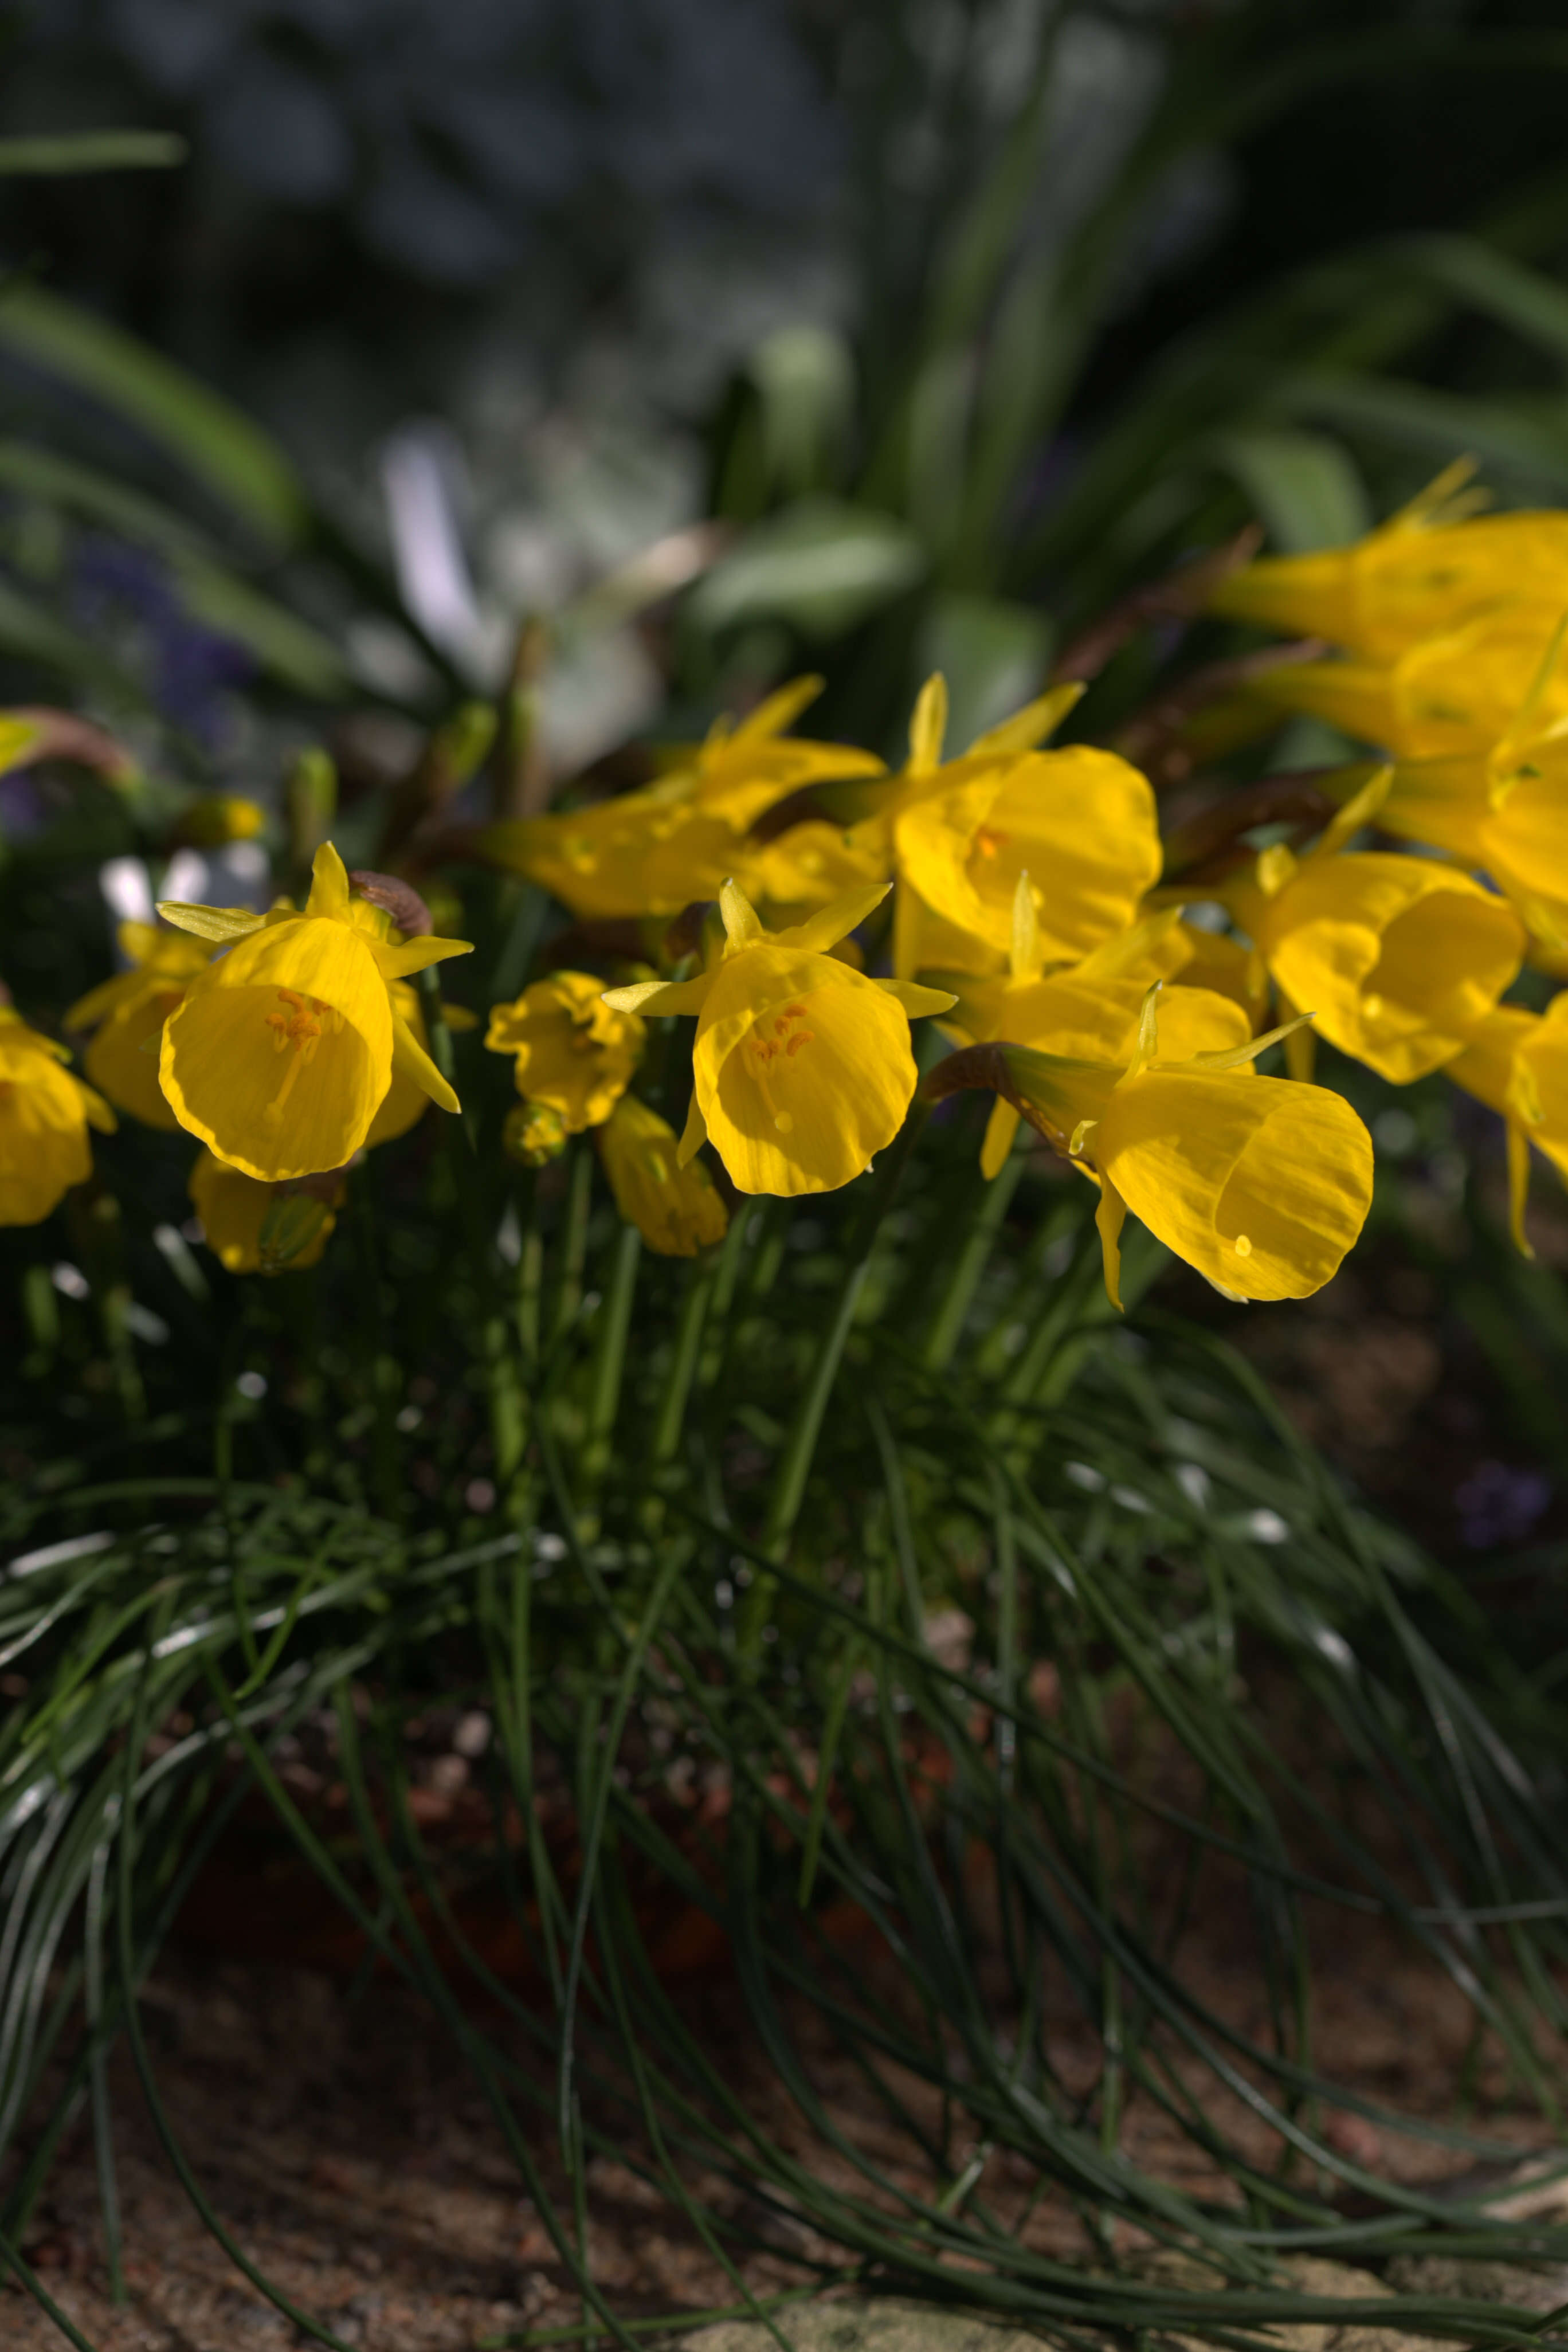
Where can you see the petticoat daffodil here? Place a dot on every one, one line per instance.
(1503, 811)
(1516, 1063)
(572, 1053)
(130, 1010)
(802, 1068)
(283, 1049)
(1262, 1184)
(45, 1113)
(1082, 817)
(655, 850)
(676, 1209)
(1449, 695)
(1397, 958)
(1089, 1012)
(1430, 569)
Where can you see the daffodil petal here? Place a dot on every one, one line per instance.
(410, 1060)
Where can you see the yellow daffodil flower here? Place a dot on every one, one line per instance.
(1502, 812)
(1082, 817)
(234, 1209)
(802, 1066)
(1397, 957)
(1429, 570)
(1516, 1063)
(572, 1053)
(1456, 693)
(282, 1050)
(655, 850)
(128, 1013)
(214, 819)
(405, 1101)
(877, 811)
(1262, 1184)
(1090, 1012)
(675, 1207)
(45, 1113)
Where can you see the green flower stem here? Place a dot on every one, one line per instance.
(800, 1446)
(503, 1387)
(380, 1367)
(573, 1241)
(610, 1356)
(947, 1323)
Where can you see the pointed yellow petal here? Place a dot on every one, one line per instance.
(778, 711)
(1000, 1129)
(743, 926)
(916, 1000)
(329, 884)
(1026, 728)
(414, 955)
(1234, 1057)
(210, 922)
(409, 1060)
(833, 922)
(693, 1136)
(1148, 1044)
(1359, 809)
(1518, 1185)
(927, 725)
(1109, 1217)
(661, 996)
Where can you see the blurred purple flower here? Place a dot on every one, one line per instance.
(1500, 1505)
(190, 669)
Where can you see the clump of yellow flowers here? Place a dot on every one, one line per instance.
(1006, 915)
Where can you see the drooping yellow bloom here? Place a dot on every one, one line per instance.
(1504, 812)
(130, 1010)
(1262, 1184)
(1397, 957)
(1516, 1063)
(1081, 822)
(655, 850)
(1427, 571)
(675, 1207)
(1090, 1012)
(802, 1066)
(234, 1209)
(572, 1053)
(1455, 693)
(45, 1113)
(282, 1051)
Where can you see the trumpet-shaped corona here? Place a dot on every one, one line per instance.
(1262, 1184)
(1429, 570)
(281, 1052)
(676, 1208)
(45, 1113)
(1397, 957)
(572, 1053)
(802, 1066)
(127, 1015)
